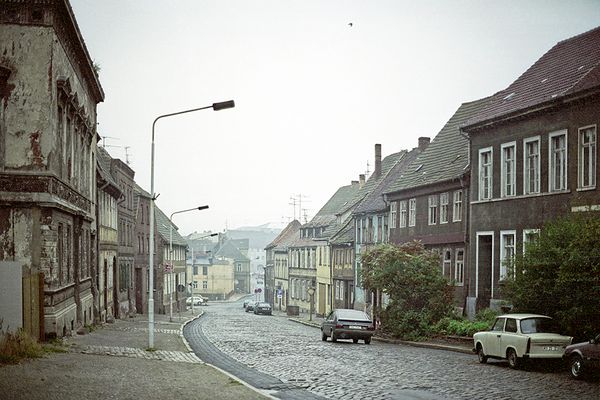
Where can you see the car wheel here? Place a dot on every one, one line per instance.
(368, 341)
(576, 366)
(355, 340)
(323, 336)
(513, 360)
(333, 337)
(481, 355)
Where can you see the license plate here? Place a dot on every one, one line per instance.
(551, 348)
(355, 327)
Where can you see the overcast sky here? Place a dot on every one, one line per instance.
(316, 85)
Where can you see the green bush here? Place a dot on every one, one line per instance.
(559, 275)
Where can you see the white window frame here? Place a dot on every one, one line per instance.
(433, 210)
(444, 208)
(526, 232)
(403, 213)
(509, 182)
(457, 206)
(393, 210)
(486, 181)
(503, 254)
(526, 179)
(588, 171)
(412, 212)
(447, 262)
(552, 154)
(459, 266)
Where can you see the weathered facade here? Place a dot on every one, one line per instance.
(277, 292)
(534, 157)
(48, 96)
(142, 234)
(107, 300)
(124, 175)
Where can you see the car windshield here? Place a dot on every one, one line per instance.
(354, 315)
(263, 305)
(538, 325)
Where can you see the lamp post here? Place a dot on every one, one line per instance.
(171, 256)
(311, 294)
(215, 106)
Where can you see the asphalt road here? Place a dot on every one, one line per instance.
(289, 361)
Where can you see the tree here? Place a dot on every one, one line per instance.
(559, 275)
(410, 275)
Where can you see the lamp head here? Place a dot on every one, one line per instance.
(223, 105)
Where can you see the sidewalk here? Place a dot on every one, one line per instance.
(113, 362)
(459, 345)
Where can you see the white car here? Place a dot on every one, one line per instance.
(520, 336)
(198, 301)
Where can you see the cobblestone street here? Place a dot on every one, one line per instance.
(263, 347)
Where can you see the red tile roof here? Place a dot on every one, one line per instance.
(569, 68)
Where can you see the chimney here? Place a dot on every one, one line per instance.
(353, 183)
(361, 180)
(423, 142)
(377, 171)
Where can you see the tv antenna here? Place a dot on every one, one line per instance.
(109, 137)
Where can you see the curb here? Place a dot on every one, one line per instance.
(427, 345)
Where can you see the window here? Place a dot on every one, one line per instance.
(507, 252)
(403, 214)
(529, 235)
(459, 267)
(205, 270)
(443, 208)
(457, 210)
(379, 237)
(511, 325)
(531, 163)
(195, 284)
(433, 210)
(412, 212)
(498, 325)
(485, 173)
(508, 179)
(587, 157)
(558, 161)
(393, 208)
(447, 262)
(204, 284)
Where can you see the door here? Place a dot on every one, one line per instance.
(484, 269)
(138, 291)
(494, 339)
(105, 285)
(322, 299)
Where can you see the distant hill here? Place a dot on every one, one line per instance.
(258, 236)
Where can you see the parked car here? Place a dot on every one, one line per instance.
(250, 306)
(246, 302)
(516, 337)
(198, 301)
(584, 357)
(347, 324)
(263, 308)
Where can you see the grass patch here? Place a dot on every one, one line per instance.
(17, 346)
(234, 382)
(150, 349)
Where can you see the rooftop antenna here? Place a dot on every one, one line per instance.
(127, 155)
(368, 171)
(304, 210)
(108, 137)
(293, 203)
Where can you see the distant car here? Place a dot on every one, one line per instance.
(250, 306)
(347, 324)
(245, 304)
(516, 337)
(198, 301)
(263, 308)
(583, 358)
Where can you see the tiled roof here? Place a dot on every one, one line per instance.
(373, 201)
(446, 157)
(228, 250)
(327, 214)
(162, 225)
(104, 162)
(286, 236)
(345, 233)
(568, 68)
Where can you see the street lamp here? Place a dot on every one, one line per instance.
(200, 208)
(215, 106)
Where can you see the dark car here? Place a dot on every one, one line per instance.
(347, 324)
(584, 357)
(263, 308)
